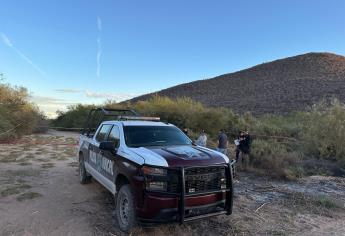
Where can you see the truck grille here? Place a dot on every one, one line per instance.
(198, 179)
(204, 179)
(174, 185)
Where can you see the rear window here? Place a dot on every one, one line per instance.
(141, 136)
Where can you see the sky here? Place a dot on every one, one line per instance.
(68, 51)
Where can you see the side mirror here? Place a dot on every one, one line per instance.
(108, 146)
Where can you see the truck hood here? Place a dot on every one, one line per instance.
(178, 156)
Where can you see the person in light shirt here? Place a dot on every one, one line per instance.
(202, 140)
(237, 143)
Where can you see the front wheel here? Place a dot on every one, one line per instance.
(83, 175)
(125, 208)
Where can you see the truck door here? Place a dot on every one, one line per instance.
(108, 167)
(95, 154)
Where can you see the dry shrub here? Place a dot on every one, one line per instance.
(74, 117)
(17, 115)
(276, 125)
(324, 131)
(277, 159)
(182, 112)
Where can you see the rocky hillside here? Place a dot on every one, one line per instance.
(279, 86)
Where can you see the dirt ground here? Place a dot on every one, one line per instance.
(40, 195)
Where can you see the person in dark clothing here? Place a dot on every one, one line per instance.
(238, 143)
(222, 142)
(245, 144)
(185, 131)
(244, 147)
(248, 142)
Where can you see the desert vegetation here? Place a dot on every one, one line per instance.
(289, 146)
(18, 116)
(284, 146)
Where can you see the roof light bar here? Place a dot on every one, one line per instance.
(147, 118)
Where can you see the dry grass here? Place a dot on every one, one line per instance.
(69, 152)
(24, 163)
(10, 157)
(12, 189)
(41, 159)
(28, 195)
(47, 165)
(20, 173)
(319, 205)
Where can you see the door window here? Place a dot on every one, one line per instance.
(103, 133)
(114, 135)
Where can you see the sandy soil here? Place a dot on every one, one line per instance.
(40, 195)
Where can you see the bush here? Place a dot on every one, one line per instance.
(5, 126)
(277, 159)
(74, 117)
(275, 125)
(324, 131)
(17, 115)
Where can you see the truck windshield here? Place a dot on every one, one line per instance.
(141, 136)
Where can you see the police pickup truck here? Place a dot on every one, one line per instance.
(155, 172)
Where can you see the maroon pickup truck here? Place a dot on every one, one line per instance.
(156, 173)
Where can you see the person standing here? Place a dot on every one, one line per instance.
(222, 142)
(245, 144)
(185, 131)
(237, 143)
(202, 140)
(248, 140)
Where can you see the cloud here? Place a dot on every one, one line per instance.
(68, 90)
(118, 97)
(99, 48)
(9, 44)
(47, 101)
(49, 105)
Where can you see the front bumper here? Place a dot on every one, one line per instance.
(182, 207)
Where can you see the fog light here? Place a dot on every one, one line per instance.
(191, 190)
(158, 186)
(223, 183)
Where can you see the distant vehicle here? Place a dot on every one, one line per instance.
(156, 173)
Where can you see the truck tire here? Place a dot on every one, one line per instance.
(84, 177)
(125, 208)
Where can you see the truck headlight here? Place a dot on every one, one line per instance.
(155, 178)
(147, 170)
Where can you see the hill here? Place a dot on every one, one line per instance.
(280, 86)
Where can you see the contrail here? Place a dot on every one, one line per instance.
(99, 24)
(99, 48)
(9, 44)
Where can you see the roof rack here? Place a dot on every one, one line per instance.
(144, 118)
(111, 111)
(97, 115)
